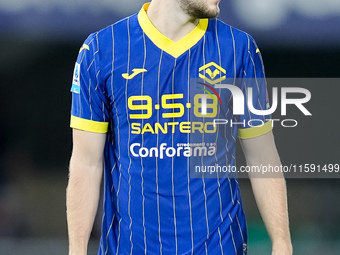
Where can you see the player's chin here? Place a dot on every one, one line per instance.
(207, 13)
(214, 9)
(213, 13)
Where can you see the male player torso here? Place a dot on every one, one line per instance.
(147, 92)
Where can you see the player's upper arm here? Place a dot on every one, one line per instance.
(90, 109)
(261, 150)
(88, 148)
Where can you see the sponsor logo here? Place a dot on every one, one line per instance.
(182, 149)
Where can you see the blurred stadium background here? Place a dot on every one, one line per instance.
(39, 43)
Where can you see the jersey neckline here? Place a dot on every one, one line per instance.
(175, 49)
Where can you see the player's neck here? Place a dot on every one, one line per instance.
(170, 19)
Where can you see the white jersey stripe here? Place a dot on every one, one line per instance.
(172, 166)
(231, 130)
(217, 134)
(231, 191)
(232, 237)
(141, 159)
(232, 35)
(157, 187)
(118, 141)
(128, 144)
(90, 83)
(205, 195)
(219, 233)
(238, 223)
(118, 239)
(218, 127)
(108, 232)
(188, 164)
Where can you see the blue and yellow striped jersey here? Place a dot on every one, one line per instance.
(159, 102)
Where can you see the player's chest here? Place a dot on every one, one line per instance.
(163, 75)
(168, 90)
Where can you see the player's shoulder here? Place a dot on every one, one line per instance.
(120, 26)
(104, 36)
(239, 36)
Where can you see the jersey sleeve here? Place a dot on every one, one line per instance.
(89, 110)
(254, 124)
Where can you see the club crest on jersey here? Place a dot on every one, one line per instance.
(212, 73)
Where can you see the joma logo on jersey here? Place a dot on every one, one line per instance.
(135, 72)
(84, 47)
(212, 73)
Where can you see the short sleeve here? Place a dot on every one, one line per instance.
(89, 110)
(254, 87)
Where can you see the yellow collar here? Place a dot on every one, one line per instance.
(175, 49)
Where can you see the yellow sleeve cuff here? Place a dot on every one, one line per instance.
(246, 133)
(89, 125)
